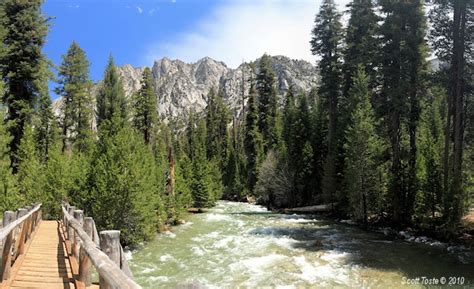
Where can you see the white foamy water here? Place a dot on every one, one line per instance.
(237, 245)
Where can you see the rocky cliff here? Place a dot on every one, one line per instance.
(181, 86)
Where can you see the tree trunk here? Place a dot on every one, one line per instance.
(458, 60)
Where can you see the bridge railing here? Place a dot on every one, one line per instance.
(103, 250)
(17, 230)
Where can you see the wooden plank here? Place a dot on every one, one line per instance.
(19, 260)
(45, 263)
(45, 273)
(46, 285)
(45, 269)
(43, 279)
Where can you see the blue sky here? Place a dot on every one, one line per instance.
(138, 32)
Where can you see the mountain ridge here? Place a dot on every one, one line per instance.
(180, 86)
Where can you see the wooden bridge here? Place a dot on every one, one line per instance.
(60, 254)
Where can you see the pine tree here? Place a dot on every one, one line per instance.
(304, 153)
(8, 183)
(201, 185)
(75, 88)
(20, 65)
(402, 73)
(289, 118)
(46, 125)
(326, 42)
(30, 171)
(184, 175)
(233, 174)
(122, 178)
(267, 102)
(252, 140)
(57, 181)
(319, 118)
(362, 43)
(217, 119)
(362, 147)
(145, 115)
(111, 101)
(431, 148)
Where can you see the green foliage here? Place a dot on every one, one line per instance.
(75, 88)
(431, 145)
(145, 116)
(30, 170)
(364, 173)
(112, 111)
(217, 119)
(362, 43)
(10, 199)
(253, 142)
(402, 75)
(78, 192)
(234, 173)
(21, 64)
(123, 187)
(267, 103)
(57, 182)
(46, 131)
(184, 176)
(326, 42)
(206, 183)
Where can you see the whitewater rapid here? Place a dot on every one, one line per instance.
(238, 245)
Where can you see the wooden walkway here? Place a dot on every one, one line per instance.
(60, 254)
(45, 263)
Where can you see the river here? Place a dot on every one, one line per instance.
(238, 245)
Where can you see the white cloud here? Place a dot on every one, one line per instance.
(140, 10)
(243, 30)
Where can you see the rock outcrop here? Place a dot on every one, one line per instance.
(181, 86)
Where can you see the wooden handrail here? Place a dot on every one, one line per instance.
(6, 230)
(108, 270)
(17, 230)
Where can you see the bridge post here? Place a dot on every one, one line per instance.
(29, 225)
(70, 230)
(79, 216)
(8, 217)
(23, 230)
(110, 245)
(85, 263)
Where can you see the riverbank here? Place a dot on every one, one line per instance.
(464, 238)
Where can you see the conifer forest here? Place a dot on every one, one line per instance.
(383, 141)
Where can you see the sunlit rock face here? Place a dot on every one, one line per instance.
(181, 87)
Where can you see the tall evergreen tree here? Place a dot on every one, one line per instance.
(30, 170)
(362, 43)
(267, 102)
(145, 115)
(46, 125)
(326, 42)
(430, 137)
(202, 181)
(217, 119)
(20, 65)
(403, 64)
(122, 179)
(8, 185)
(363, 171)
(452, 39)
(111, 102)
(252, 140)
(75, 88)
